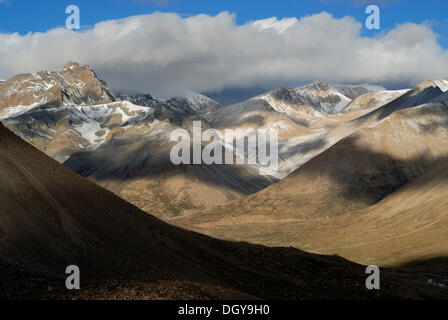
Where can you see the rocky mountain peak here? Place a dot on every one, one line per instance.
(75, 84)
(74, 65)
(191, 103)
(321, 96)
(440, 84)
(318, 85)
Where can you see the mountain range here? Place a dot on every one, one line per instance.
(361, 175)
(386, 153)
(83, 132)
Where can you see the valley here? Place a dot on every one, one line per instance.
(361, 179)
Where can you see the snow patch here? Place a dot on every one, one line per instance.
(442, 84)
(12, 112)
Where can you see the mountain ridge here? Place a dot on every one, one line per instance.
(374, 157)
(118, 247)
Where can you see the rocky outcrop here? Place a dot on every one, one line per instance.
(76, 84)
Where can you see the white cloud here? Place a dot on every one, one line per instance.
(273, 23)
(164, 53)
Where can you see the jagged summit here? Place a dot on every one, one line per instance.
(320, 96)
(357, 173)
(52, 217)
(191, 103)
(337, 164)
(70, 110)
(421, 95)
(72, 65)
(317, 85)
(146, 100)
(75, 84)
(428, 83)
(194, 103)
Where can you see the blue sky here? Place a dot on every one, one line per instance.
(24, 16)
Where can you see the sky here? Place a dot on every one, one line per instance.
(164, 47)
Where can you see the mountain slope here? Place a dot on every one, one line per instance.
(79, 123)
(192, 103)
(74, 85)
(382, 152)
(410, 224)
(64, 120)
(49, 221)
(71, 110)
(407, 226)
(142, 172)
(64, 130)
(138, 168)
(319, 96)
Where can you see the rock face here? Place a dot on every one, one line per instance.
(319, 96)
(74, 85)
(64, 130)
(192, 104)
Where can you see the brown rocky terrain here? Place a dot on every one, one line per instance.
(85, 131)
(98, 125)
(322, 204)
(50, 218)
(141, 171)
(362, 175)
(75, 84)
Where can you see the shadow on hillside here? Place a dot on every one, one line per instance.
(115, 162)
(239, 113)
(438, 113)
(363, 174)
(411, 99)
(305, 147)
(437, 265)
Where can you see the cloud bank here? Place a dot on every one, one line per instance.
(164, 53)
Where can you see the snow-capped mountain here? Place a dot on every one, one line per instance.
(71, 110)
(75, 84)
(51, 216)
(66, 111)
(141, 100)
(300, 105)
(371, 187)
(304, 117)
(192, 103)
(356, 90)
(319, 96)
(119, 140)
(62, 131)
(123, 142)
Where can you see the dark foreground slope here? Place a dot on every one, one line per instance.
(51, 218)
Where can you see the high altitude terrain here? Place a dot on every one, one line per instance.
(75, 118)
(375, 196)
(50, 218)
(361, 169)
